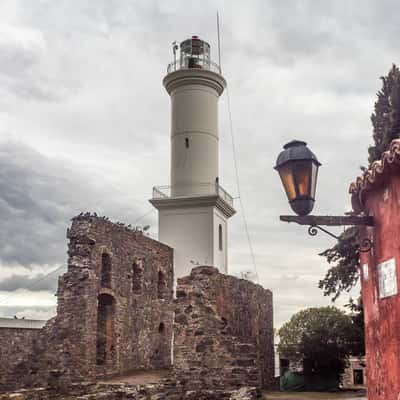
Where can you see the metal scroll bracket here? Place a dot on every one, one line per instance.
(315, 223)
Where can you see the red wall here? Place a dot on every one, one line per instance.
(382, 316)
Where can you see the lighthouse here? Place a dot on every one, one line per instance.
(193, 210)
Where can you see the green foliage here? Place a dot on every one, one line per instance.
(345, 255)
(386, 116)
(343, 275)
(322, 337)
(357, 316)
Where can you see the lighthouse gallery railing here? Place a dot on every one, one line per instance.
(198, 63)
(186, 191)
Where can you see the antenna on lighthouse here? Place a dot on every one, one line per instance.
(174, 49)
(219, 43)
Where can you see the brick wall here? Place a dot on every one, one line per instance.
(223, 332)
(16, 346)
(139, 287)
(115, 314)
(114, 311)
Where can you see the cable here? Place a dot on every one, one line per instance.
(41, 279)
(238, 187)
(144, 215)
(219, 44)
(32, 285)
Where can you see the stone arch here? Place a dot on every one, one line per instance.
(105, 344)
(106, 270)
(161, 328)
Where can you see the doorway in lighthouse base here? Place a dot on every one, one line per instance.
(105, 345)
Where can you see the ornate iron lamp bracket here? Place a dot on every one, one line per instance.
(315, 222)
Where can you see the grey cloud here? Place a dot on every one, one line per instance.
(20, 49)
(295, 69)
(36, 282)
(38, 196)
(26, 66)
(29, 313)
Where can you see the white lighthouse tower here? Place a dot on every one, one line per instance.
(194, 209)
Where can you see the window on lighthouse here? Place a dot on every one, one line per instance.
(220, 237)
(187, 143)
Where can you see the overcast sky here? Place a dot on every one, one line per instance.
(84, 124)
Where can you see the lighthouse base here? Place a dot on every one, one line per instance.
(196, 228)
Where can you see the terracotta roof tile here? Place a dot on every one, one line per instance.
(374, 176)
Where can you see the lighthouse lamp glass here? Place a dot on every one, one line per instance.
(298, 169)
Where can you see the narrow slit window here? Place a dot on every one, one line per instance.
(161, 285)
(187, 143)
(220, 237)
(137, 276)
(105, 270)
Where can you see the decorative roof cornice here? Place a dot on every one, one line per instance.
(213, 200)
(194, 76)
(373, 177)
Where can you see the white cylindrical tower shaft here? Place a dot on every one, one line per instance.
(194, 93)
(193, 216)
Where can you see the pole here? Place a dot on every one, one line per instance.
(219, 44)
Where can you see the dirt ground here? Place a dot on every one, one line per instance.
(139, 377)
(146, 377)
(313, 396)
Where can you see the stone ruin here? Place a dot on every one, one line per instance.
(116, 314)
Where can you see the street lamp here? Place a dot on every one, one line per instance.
(298, 169)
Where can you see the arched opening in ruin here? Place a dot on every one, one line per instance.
(105, 328)
(105, 270)
(161, 328)
(161, 285)
(137, 276)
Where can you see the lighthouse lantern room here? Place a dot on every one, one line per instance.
(194, 208)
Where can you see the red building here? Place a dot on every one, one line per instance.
(377, 194)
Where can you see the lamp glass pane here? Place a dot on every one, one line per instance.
(285, 172)
(314, 175)
(302, 169)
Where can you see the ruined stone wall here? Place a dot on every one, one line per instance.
(16, 346)
(115, 314)
(132, 392)
(223, 332)
(114, 311)
(123, 282)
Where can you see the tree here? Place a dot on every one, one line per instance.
(357, 316)
(345, 254)
(322, 337)
(343, 275)
(386, 116)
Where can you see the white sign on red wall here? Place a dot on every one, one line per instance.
(387, 278)
(365, 271)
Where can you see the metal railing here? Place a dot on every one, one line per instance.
(198, 63)
(187, 191)
(224, 195)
